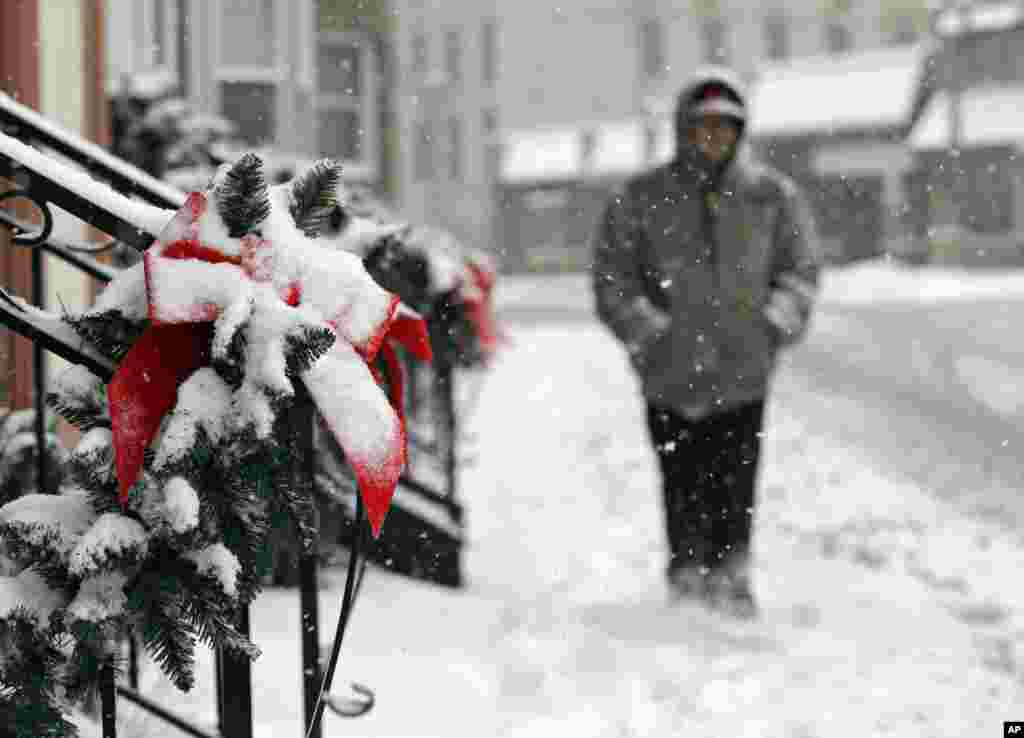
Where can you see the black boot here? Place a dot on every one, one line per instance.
(688, 582)
(728, 588)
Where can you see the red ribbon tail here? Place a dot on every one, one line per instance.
(396, 379)
(410, 330)
(144, 388)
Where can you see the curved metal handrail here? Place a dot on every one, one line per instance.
(18, 227)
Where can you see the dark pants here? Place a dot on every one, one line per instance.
(709, 472)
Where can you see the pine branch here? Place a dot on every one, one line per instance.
(240, 504)
(82, 414)
(82, 670)
(93, 470)
(109, 332)
(302, 349)
(19, 467)
(33, 544)
(28, 680)
(231, 367)
(399, 268)
(167, 636)
(315, 197)
(337, 220)
(15, 422)
(243, 201)
(212, 614)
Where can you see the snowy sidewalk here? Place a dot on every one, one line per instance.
(887, 611)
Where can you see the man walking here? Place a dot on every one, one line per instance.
(703, 269)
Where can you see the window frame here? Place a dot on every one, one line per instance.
(722, 52)
(771, 23)
(490, 53)
(273, 74)
(455, 136)
(145, 51)
(365, 104)
(837, 28)
(424, 151)
(653, 63)
(454, 56)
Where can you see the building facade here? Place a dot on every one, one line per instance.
(967, 179)
(509, 123)
(516, 119)
(309, 78)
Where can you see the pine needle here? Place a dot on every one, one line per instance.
(315, 197)
(243, 200)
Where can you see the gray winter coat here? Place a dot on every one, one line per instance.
(687, 298)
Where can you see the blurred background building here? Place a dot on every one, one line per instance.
(510, 122)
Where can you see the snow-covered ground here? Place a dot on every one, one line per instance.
(887, 552)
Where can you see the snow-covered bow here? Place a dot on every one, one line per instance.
(238, 280)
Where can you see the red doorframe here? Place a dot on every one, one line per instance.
(19, 77)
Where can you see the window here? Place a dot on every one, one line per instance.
(989, 200)
(455, 148)
(713, 37)
(991, 59)
(776, 36)
(489, 122)
(423, 153)
(251, 105)
(247, 33)
(340, 134)
(418, 52)
(492, 160)
(247, 70)
(156, 35)
(160, 32)
(345, 102)
(652, 48)
(837, 37)
(489, 52)
(340, 69)
(453, 57)
(345, 99)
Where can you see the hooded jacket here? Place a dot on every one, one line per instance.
(686, 258)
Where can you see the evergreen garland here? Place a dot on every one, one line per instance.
(173, 561)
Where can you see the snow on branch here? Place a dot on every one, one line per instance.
(188, 458)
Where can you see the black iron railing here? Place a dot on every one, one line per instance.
(120, 218)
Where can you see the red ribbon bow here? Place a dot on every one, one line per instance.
(177, 343)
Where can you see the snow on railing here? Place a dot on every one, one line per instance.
(31, 126)
(133, 221)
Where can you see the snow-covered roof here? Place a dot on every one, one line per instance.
(619, 148)
(541, 155)
(824, 94)
(988, 17)
(989, 116)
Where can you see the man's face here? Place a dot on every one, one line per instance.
(715, 136)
